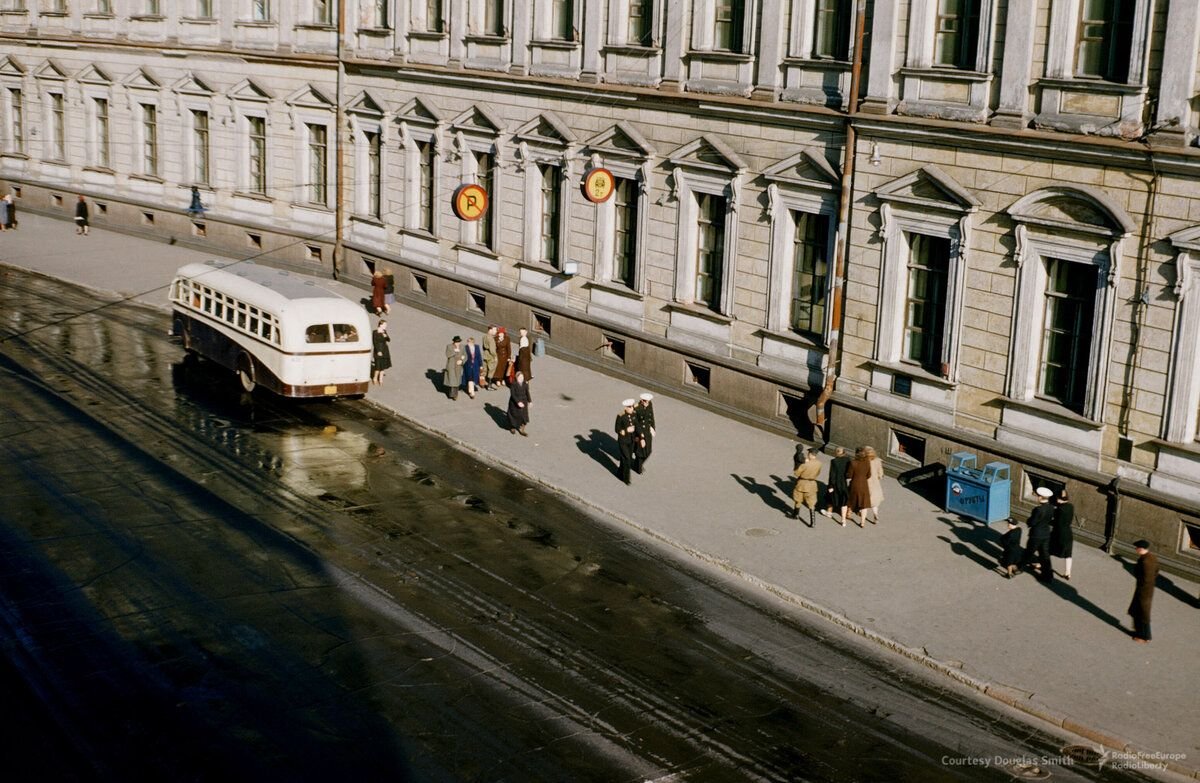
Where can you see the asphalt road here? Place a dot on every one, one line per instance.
(197, 584)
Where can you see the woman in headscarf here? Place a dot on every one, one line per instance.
(378, 292)
(472, 364)
(381, 354)
(875, 484)
(503, 354)
(860, 490)
(524, 358)
(518, 404)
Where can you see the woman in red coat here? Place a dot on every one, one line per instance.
(860, 485)
(378, 292)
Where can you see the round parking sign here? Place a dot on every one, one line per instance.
(470, 202)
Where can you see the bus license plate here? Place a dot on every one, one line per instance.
(331, 390)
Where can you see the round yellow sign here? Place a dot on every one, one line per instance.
(470, 202)
(598, 185)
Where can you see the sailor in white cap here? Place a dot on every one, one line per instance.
(626, 429)
(1037, 545)
(644, 415)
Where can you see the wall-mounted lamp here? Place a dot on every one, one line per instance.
(875, 160)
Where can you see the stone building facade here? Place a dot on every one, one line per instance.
(1022, 255)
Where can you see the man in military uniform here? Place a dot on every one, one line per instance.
(626, 428)
(804, 493)
(1037, 545)
(644, 415)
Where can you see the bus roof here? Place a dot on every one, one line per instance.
(256, 285)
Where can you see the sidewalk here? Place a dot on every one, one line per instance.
(921, 582)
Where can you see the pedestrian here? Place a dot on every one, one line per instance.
(859, 472)
(11, 225)
(1037, 546)
(838, 491)
(81, 216)
(518, 404)
(1010, 548)
(3, 214)
(644, 415)
(524, 357)
(196, 207)
(1062, 537)
(489, 359)
(503, 354)
(875, 483)
(452, 376)
(626, 429)
(804, 491)
(389, 291)
(1145, 572)
(378, 291)
(472, 366)
(381, 354)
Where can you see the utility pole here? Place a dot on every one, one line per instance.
(339, 158)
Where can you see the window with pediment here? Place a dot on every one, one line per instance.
(621, 222)
(1182, 411)
(544, 148)
(420, 129)
(251, 105)
(366, 120)
(476, 134)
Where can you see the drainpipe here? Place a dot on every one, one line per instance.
(339, 162)
(842, 248)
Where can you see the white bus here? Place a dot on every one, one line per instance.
(274, 329)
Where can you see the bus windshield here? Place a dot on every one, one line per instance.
(345, 333)
(317, 333)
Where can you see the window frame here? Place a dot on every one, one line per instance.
(200, 149)
(936, 303)
(317, 160)
(56, 125)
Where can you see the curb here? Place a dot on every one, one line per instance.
(1000, 693)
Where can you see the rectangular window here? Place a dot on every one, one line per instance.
(103, 154)
(493, 17)
(831, 30)
(257, 131)
(727, 25)
(485, 177)
(374, 181)
(260, 10)
(562, 20)
(318, 157)
(625, 209)
(204, 9)
(1105, 39)
(16, 119)
(200, 147)
(925, 302)
(58, 127)
(640, 22)
(710, 250)
(809, 270)
(152, 8)
(104, 6)
(150, 139)
(1067, 332)
(551, 179)
(322, 11)
(433, 16)
(425, 202)
(956, 34)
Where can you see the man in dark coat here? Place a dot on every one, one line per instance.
(838, 492)
(626, 429)
(81, 216)
(1145, 571)
(1010, 548)
(1062, 538)
(1038, 543)
(644, 417)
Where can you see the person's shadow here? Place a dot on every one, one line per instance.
(498, 415)
(601, 447)
(978, 535)
(435, 377)
(765, 492)
(961, 549)
(1068, 593)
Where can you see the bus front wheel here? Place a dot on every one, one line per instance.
(245, 372)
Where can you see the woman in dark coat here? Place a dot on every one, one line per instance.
(381, 354)
(503, 354)
(1145, 571)
(518, 404)
(859, 475)
(839, 487)
(1062, 539)
(524, 359)
(378, 291)
(472, 365)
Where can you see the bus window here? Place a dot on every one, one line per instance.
(218, 308)
(253, 323)
(267, 331)
(241, 319)
(345, 333)
(317, 333)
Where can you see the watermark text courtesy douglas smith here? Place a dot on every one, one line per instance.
(1103, 758)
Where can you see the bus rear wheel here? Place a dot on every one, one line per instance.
(245, 373)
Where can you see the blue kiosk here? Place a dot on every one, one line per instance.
(977, 494)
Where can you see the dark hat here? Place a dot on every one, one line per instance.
(456, 339)
(1141, 543)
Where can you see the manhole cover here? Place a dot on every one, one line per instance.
(1084, 754)
(1029, 772)
(760, 532)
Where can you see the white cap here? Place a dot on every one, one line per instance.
(627, 403)
(647, 396)
(1045, 492)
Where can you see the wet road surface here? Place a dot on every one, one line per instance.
(197, 584)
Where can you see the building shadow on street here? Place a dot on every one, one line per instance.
(497, 414)
(1164, 583)
(601, 447)
(765, 492)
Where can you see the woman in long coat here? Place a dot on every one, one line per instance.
(381, 354)
(503, 354)
(472, 365)
(378, 292)
(452, 375)
(524, 360)
(518, 404)
(1145, 571)
(875, 484)
(1062, 538)
(860, 490)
